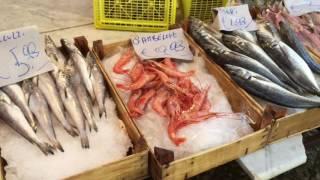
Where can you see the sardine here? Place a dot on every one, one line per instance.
(290, 37)
(81, 66)
(40, 109)
(84, 100)
(13, 116)
(223, 57)
(72, 105)
(254, 51)
(265, 89)
(49, 90)
(16, 94)
(289, 61)
(99, 86)
(245, 35)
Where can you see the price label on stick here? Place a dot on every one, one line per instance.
(164, 44)
(300, 7)
(233, 18)
(22, 55)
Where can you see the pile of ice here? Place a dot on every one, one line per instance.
(207, 134)
(27, 162)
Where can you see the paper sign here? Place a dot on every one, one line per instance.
(233, 18)
(300, 7)
(22, 55)
(164, 44)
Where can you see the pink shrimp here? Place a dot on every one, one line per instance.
(145, 98)
(136, 71)
(125, 59)
(172, 72)
(143, 79)
(163, 77)
(167, 61)
(132, 103)
(198, 100)
(159, 100)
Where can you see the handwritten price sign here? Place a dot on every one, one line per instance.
(233, 18)
(300, 7)
(164, 44)
(22, 55)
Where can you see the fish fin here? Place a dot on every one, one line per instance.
(45, 148)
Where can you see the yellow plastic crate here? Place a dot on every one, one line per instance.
(134, 15)
(201, 8)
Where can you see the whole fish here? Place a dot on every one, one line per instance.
(49, 90)
(245, 35)
(223, 57)
(40, 109)
(84, 100)
(81, 66)
(290, 37)
(269, 27)
(289, 61)
(13, 116)
(99, 86)
(265, 89)
(195, 23)
(16, 94)
(72, 105)
(254, 51)
(55, 55)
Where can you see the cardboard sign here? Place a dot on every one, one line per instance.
(164, 44)
(233, 18)
(22, 55)
(300, 7)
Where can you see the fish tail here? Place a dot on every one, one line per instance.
(45, 148)
(57, 145)
(101, 109)
(71, 131)
(84, 140)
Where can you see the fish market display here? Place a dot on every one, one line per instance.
(66, 115)
(177, 106)
(277, 59)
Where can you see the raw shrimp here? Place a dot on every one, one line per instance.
(125, 59)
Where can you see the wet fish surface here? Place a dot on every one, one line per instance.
(290, 37)
(15, 92)
(265, 89)
(14, 117)
(289, 61)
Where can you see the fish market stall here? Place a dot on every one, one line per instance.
(273, 66)
(73, 132)
(187, 147)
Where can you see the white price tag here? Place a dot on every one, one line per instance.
(164, 44)
(233, 18)
(300, 7)
(22, 55)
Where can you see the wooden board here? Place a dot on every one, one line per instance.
(134, 166)
(203, 161)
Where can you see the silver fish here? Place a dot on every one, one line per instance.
(72, 105)
(245, 35)
(265, 89)
(254, 51)
(13, 116)
(40, 109)
(290, 37)
(55, 55)
(99, 85)
(49, 90)
(84, 100)
(16, 94)
(289, 61)
(81, 66)
(223, 56)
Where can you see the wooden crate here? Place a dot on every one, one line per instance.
(208, 159)
(134, 166)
